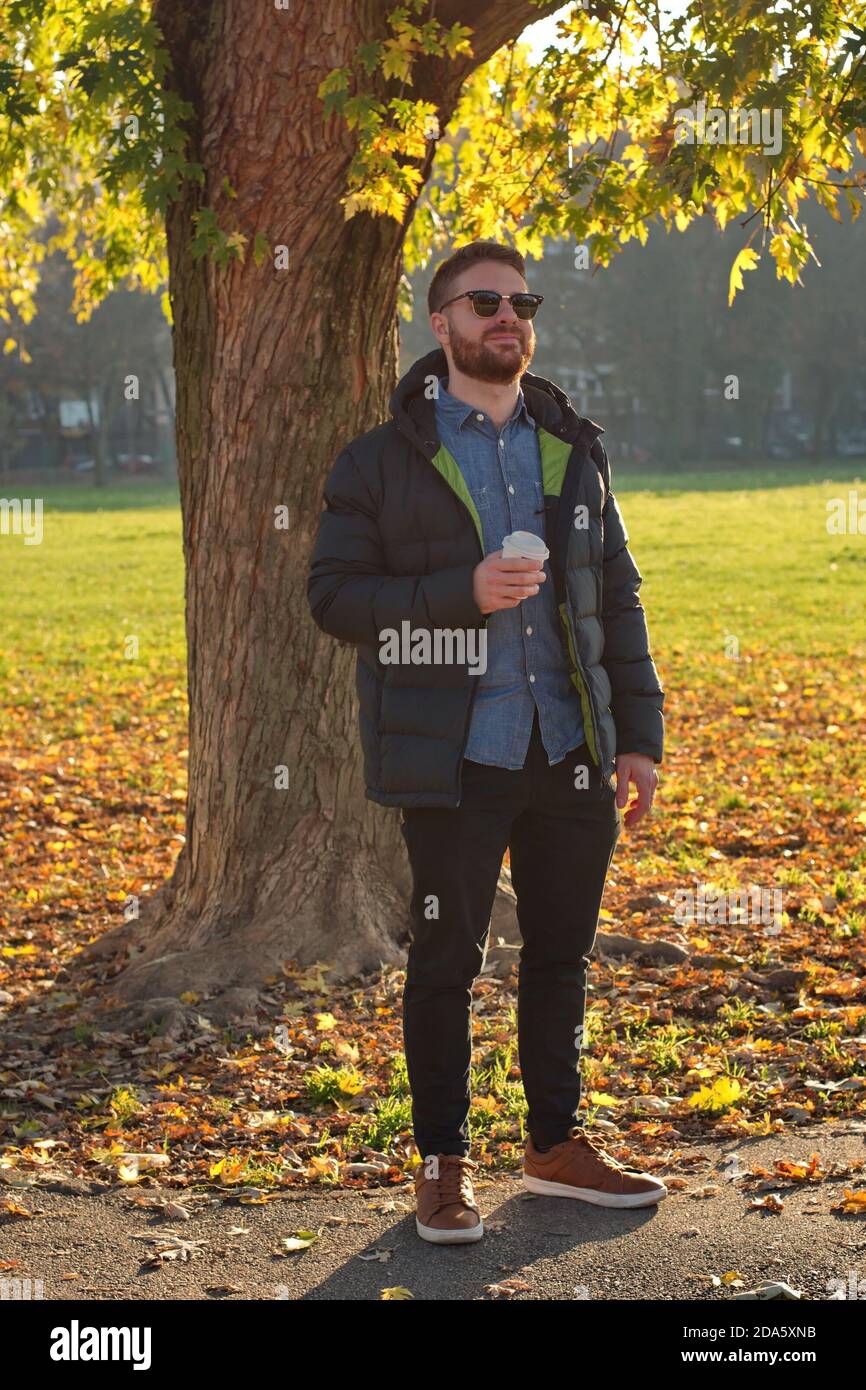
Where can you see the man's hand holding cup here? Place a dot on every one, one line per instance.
(507, 576)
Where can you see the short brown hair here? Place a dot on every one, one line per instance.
(440, 286)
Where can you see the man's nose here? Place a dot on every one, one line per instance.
(506, 313)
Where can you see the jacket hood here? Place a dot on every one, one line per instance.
(548, 405)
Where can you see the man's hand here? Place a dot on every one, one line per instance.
(640, 769)
(499, 583)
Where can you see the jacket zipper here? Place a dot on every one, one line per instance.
(578, 666)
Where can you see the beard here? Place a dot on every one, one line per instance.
(485, 361)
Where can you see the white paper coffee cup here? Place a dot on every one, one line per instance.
(524, 545)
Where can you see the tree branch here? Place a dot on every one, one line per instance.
(494, 23)
(439, 80)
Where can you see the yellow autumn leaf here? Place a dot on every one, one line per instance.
(812, 141)
(13, 1208)
(128, 1172)
(322, 1167)
(724, 1091)
(389, 1295)
(132, 1167)
(227, 1169)
(325, 1022)
(301, 1240)
(602, 1098)
(746, 259)
(314, 980)
(485, 1103)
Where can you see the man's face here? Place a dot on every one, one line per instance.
(498, 349)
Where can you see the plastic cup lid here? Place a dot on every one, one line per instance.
(527, 544)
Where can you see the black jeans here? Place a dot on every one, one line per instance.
(562, 839)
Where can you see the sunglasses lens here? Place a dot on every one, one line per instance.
(524, 306)
(486, 304)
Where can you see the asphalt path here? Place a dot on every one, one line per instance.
(84, 1243)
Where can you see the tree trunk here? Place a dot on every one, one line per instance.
(276, 370)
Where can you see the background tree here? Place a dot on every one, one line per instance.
(56, 359)
(288, 148)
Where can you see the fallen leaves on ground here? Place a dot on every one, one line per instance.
(732, 1029)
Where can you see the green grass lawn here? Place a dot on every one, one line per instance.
(748, 555)
(109, 568)
(735, 553)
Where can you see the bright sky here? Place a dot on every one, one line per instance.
(542, 34)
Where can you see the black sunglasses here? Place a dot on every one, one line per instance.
(485, 303)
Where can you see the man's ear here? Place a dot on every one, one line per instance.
(439, 328)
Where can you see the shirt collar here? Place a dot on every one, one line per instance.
(458, 412)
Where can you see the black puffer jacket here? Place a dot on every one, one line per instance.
(399, 541)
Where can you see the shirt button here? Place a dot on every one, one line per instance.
(510, 487)
(479, 417)
(532, 678)
(529, 632)
(502, 443)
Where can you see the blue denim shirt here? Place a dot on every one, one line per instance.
(526, 666)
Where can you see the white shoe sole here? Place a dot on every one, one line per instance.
(544, 1188)
(438, 1236)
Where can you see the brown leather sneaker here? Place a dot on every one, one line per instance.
(579, 1167)
(447, 1209)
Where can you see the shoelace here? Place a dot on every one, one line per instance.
(454, 1182)
(598, 1147)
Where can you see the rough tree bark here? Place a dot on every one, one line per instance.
(276, 370)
